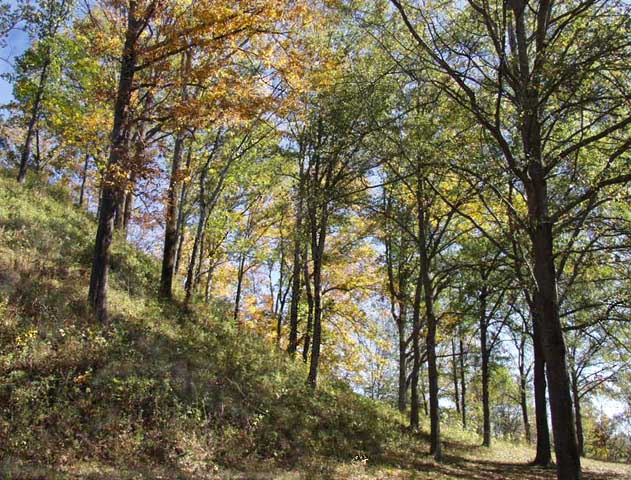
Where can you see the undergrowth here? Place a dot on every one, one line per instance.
(159, 384)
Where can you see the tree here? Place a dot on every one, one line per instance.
(45, 22)
(526, 86)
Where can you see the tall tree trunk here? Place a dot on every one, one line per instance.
(523, 380)
(97, 295)
(237, 297)
(565, 444)
(529, 104)
(296, 267)
(543, 455)
(307, 336)
(180, 215)
(30, 130)
(577, 413)
(463, 385)
(38, 152)
(209, 280)
(485, 354)
(416, 353)
(317, 253)
(84, 177)
(454, 372)
(401, 322)
(432, 324)
(170, 229)
(421, 381)
(129, 203)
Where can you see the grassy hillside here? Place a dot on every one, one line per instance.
(166, 393)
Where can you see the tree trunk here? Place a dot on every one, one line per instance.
(296, 269)
(432, 324)
(565, 444)
(307, 336)
(84, 177)
(523, 398)
(463, 385)
(543, 456)
(416, 353)
(180, 215)
(402, 392)
(97, 295)
(485, 354)
(454, 372)
(577, 413)
(129, 203)
(237, 297)
(170, 229)
(209, 280)
(421, 381)
(317, 252)
(26, 148)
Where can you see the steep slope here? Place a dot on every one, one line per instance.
(160, 385)
(167, 393)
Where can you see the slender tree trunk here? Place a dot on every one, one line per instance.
(318, 250)
(194, 284)
(180, 215)
(454, 371)
(421, 381)
(485, 354)
(307, 337)
(523, 400)
(416, 353)
(523, 380)
(296, 268)
(237, 297)
(209, 280)
(30, 130)
(463, 384)
(577, 413)
(84, 177)
(543, 455)
(432, 324)
(97, 295)
(38, 152)
(170, 230)
(401, 321)
(129, 203)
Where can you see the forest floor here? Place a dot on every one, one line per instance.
(463, 462)
(173, 393)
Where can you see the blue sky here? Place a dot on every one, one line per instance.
(16, 44)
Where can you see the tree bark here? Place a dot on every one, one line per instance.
(463, 385)
(97, 295)
(307, 336)
(454, 373)
(84, 177)
(402, 391)
(565, 443)
(577, 413)
(485, 354)
(296, 267)
(237, 297)
(543, 456)
(432, 324)
(170, 229)
(416, 353)
(317, 254)
(180, 215)
(523, 398)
